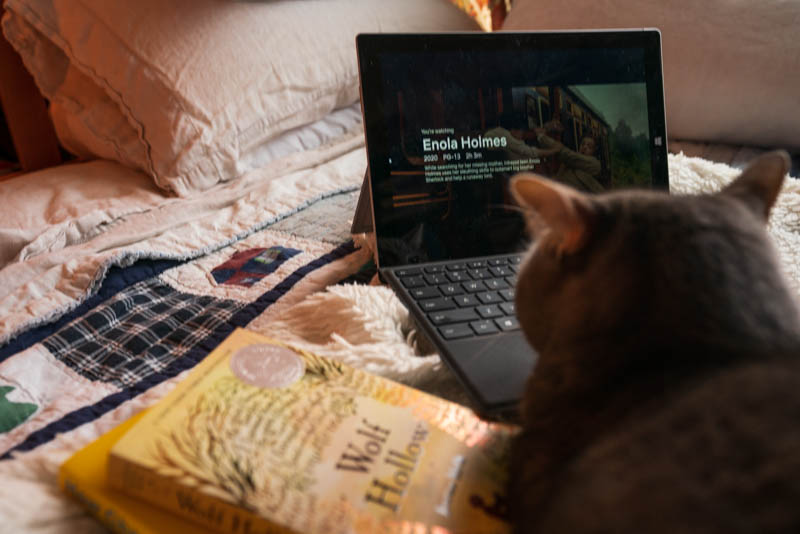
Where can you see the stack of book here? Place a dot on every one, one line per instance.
(263, 438)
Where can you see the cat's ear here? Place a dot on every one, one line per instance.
(566, 212)
(759, 184)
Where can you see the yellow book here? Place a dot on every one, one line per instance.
(83, 477)
(261, 438)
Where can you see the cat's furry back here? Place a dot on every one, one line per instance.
(666, 397)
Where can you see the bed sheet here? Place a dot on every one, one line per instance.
(117, 291)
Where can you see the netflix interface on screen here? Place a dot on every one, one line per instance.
(592, 137)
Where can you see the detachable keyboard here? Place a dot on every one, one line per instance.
(467, 297)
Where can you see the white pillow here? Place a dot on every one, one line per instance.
(731, 67)
(184, 89)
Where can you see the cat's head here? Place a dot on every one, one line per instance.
(611, 267)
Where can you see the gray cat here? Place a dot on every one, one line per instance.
(666, 397)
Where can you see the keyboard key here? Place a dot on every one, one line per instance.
(498, 261)
(476, 264)
(450, 289)
(460, 266)
(487, 312)
(419, 293)
(430, 305)
(456, 331)
(496, 283)
(479, 274)
(453, 316)
(463, 301)
(515, 259)
(458, 276)
(507, 294)
(434, 269)
(474, 287)
(500, 271)
(507, 323)
(435, 279)
(508, 308)
(407, 271)
(483, 327)
(412, 281)
(489, 297)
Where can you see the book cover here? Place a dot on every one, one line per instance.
(83, 476)
(261, 438)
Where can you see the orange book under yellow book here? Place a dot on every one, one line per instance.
(261, 438)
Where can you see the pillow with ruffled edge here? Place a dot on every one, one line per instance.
(731, 68)
(200, 83)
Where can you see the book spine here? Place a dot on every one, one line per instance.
(103, 509)
(192, 504)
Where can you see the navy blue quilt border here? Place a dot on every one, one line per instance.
(242, 318)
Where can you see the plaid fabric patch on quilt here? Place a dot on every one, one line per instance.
(247, 267)
(138, 332)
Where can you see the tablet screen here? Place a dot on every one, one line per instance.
(449, 118)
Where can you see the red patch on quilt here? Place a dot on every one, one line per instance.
(247, 267)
